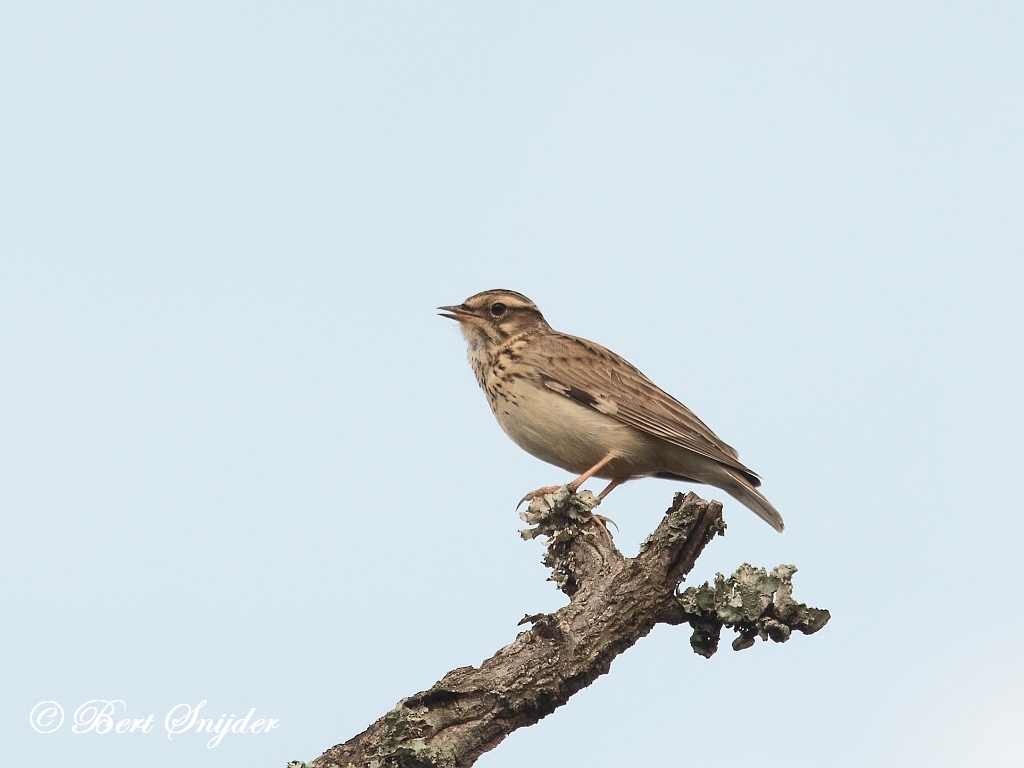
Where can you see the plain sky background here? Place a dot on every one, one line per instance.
(242, 460)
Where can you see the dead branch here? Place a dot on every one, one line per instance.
(613, 602)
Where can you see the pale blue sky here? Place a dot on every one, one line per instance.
(241, 460)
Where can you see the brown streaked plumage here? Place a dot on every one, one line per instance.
(579, 406)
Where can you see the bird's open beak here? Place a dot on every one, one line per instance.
(457, 313)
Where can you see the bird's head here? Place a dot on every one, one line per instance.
(495, 316)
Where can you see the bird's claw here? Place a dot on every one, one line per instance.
(539, 492)
(602, 523)
(601, 520)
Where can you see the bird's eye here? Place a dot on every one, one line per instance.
(498, 309)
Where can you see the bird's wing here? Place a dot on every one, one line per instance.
(614, 387)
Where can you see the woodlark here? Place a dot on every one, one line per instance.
(579, 406)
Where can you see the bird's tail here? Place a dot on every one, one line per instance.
(747, 495)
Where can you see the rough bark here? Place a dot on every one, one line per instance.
(613, 602)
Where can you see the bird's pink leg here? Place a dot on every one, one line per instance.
(609, 488)
(574, 485)
(601, 519)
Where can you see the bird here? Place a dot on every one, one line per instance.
(579, 406)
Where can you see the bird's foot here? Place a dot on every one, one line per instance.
(541, 492)
(602, 523)
(601, 520)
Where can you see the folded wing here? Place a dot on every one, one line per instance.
(616, 388)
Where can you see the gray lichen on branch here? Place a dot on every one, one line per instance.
(752, 602)
(562, 517)
(613, 602)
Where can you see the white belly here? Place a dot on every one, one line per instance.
(562, 432)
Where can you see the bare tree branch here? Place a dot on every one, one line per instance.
(614, 601)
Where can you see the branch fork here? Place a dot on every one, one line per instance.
(613, 602)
